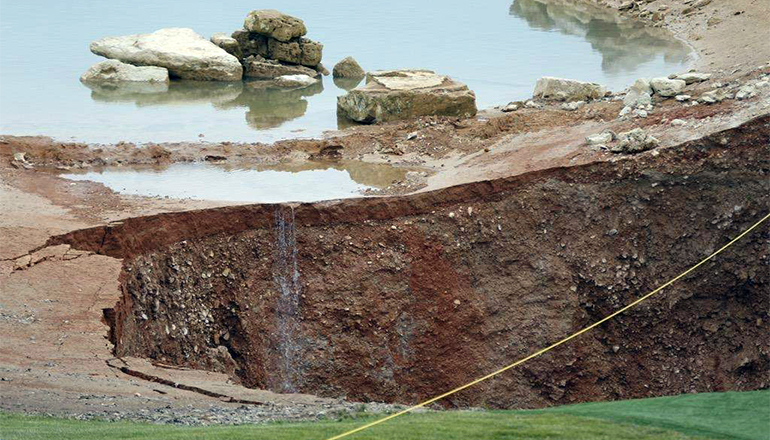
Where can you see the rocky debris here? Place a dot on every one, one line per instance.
(692, 77)
(294, 81)
(227, 43)
(183, 52)
(401, 94)
(745, 92)
(715, 96)
(348, 67)
(572, 106)
(533, 104)
(682, 98)
(559, 89)
(678, 122)
(604, 137)
(667, 87)
(639, 94)
(274, 24)
(258, 67)
(20, 161)
(634, 141)
(114, 71)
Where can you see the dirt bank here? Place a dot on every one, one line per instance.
(396, 299)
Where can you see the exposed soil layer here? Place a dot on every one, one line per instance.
(397, 299)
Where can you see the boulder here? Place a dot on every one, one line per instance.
(294, 81)
(667, 87)
(288, 52)
(274, 24)
(639, 94)
(260, 68)
(634, 141)
(693, 77)
(568, 90)
(401, 94)
(183, 52)
(114, 71)
(348, 68)
(321, 69)
(228, 44)
(302, 51)
(250, 43)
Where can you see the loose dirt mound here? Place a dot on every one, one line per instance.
(396, 299)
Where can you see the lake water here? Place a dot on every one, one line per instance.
(497, 47)
(306, 182)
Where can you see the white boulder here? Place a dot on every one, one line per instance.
(639, 94)
(667, 87)
(183, 52)
(560, 89)
(114, 71)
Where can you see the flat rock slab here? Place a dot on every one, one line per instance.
(115, 72)
(259, 68)
(183, 52)
(401, 94)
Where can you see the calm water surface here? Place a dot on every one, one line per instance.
(497, 47)
(307, 182)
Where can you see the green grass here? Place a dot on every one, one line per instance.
(701, 416)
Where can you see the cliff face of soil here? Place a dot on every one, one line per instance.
(397, 299)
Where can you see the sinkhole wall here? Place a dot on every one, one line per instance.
(397, 299)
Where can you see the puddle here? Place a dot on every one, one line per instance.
(498, 47)
(305, 182)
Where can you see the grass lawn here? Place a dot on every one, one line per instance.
(695, 416)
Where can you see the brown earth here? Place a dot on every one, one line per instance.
(399, 298)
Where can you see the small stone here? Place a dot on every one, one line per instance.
(693, 77)
(683, 98)
(602, 138)
(572, 106)
(457, 302)
(511, 107)
(667, 87)
(745, 92)
(678, 122)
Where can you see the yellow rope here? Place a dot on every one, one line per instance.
(550, 347)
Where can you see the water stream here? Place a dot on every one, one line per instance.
(286, 276)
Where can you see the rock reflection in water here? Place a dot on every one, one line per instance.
(266, 106)
(624, 44)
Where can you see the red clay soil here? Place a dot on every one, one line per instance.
(396, 299)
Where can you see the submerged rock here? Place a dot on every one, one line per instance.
(183, 52)
(114, 71)
(275, 24)
(400, 94)
(668, 87)
(261, 68)
(348, 67)
(568, 90)
(294, 81)
(227, 43)
(634, 141)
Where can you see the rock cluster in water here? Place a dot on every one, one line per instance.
(270, 45)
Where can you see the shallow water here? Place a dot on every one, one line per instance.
(307, 182)
(498, 48)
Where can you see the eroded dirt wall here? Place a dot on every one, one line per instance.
(397, 299)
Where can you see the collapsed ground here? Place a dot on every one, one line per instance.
(56, 357)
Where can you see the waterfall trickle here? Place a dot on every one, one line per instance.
(286, 276)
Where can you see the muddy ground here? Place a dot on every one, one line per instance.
(56, 355)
